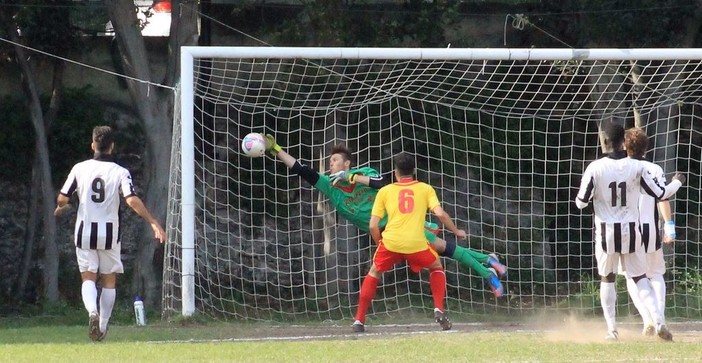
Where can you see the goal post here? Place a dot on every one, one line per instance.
(187, 192)
(502, 134)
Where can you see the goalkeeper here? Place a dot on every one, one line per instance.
(352, 192)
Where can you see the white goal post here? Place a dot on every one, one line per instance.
(502, 134)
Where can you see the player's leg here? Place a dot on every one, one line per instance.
(451, 250)
(656, 270)
(633, 290)
(608, 299)
(606, 267)
(636, 269)
(383, 260)
(471, 258)
(466, 257)
(659, 290)
(437, 281)
(107, 302)
(110, 266)
(648, 323)
(88, 263)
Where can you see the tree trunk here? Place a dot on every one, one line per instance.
(155, 109)
(157, 168)
(30, 235)
(50, 258)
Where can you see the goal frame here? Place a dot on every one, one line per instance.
(186, 107)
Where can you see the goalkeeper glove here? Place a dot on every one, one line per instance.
(342, 175)
(669, 229)
(272, 146)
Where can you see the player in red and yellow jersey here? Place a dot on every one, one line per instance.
(405, 203)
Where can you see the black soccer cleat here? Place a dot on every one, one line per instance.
(94, 326)
(442, 319)
(358, 327)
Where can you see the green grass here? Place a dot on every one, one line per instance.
(238, 342)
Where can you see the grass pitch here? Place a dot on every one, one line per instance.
(558, 340)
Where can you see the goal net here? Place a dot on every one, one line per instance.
(502, 134)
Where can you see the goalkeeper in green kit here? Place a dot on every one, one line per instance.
(352, 192)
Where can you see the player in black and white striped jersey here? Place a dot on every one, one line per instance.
(99, 184)
(615, 183)
(650, 210)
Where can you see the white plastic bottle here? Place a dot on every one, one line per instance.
(139, 311)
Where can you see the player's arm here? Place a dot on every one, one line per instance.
(377, 213)
(664, 208)
(374, 227)
(653, 187)
(446, 220)
(304, 171)
(375, 182)
(62, 200)
(62, 205)
(669, 226)
(587, 185)
(138, 206)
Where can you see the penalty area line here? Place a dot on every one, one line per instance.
(305, 337)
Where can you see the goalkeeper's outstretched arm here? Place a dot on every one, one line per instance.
(304, 171)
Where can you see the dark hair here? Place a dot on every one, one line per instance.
(343, 150)
(614, 133)
(404, 164)
(636, 142)
(103, 137)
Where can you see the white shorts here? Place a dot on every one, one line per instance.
(632, 264)
(656, 263)
(102, 261)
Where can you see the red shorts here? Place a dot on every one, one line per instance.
(384, 260)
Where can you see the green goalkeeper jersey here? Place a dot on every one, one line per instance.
(353, 201)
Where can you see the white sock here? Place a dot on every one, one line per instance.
(608, 299)
(658, 286)
(107, 302)
(649, 299)
(638, 303)
(89, 293)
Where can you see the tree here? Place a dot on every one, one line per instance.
(154, 107)
(55, 38)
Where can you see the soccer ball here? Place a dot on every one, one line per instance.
(254, 145)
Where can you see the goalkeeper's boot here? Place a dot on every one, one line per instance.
(495, 285)
(494, 263)
(358, 327)
(649, 330)
(663, 333)
(612, 336)
(442, 319)
(94, 326)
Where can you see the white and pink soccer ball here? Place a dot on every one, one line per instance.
(254, 145)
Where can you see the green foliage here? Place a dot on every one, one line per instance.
(46, 25)
(333, 23)
(608, 23)
(16, 141)
(417, 23)
(687, 292)
(690, 280)
(69, 137)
